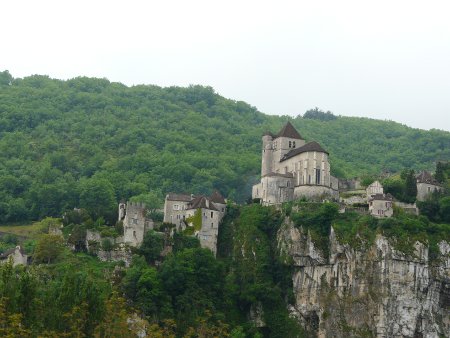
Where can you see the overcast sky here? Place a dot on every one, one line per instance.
(380, 59)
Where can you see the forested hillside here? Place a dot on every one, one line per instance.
(89, 142)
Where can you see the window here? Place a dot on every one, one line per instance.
(290, 144)
(429, 189)
(223, 209)
(212, 225)
(212, 214)
(134, 233)
(293, 144)
(134, 221)
(176, 207)
(309, 179)
(317, 176)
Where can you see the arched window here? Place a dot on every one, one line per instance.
(293, 144)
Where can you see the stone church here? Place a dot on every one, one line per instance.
(293, 169)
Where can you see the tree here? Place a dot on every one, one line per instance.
(5, 78)
(410, 186)
(439, 175)
(444, 209)
(151, 199)
(97, 197)
(48, 248)
(152, 246)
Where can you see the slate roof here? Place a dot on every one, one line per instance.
(426, 177)
(11, 251)
(288, 175)
(179, 197)
(202, 202)
(311, 146)
(216, 197)
(289, 131)
(382, 197)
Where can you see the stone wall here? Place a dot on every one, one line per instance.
(315, 192)
(425, 189)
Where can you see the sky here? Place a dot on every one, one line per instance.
(381, 59)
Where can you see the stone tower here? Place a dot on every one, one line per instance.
(267, 154)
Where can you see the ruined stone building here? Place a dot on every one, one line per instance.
(426, 185)
(292, 169)
(136, 224)
(183, 211)
(16, 255)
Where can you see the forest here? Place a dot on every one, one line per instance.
(88, 143)
(63, 142)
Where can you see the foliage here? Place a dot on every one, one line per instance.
(89, 143)
(402, 187)
(194, 222)
(152, 200)
(48, 248)
(317, 219)
(318, 114)
(152, 246)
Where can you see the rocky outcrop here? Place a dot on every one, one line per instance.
(371, 292)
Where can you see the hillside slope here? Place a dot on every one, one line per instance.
(62, 140)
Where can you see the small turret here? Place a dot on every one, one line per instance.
(267, 153)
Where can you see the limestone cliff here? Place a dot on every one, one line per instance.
(372, 292)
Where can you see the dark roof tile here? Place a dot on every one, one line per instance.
(289, 131)
(311, 146)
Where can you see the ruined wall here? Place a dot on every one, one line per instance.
(374, 292)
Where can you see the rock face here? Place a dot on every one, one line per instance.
(376, 292)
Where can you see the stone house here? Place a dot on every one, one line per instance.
(17, 256)
(374, 189)
(136, 224)
(292, 169)
(426, 185)
(381, 205)
(182, 210)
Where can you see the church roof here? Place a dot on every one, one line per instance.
(382, 197)
(179, 197)
(289, 131)
(426, 177)
(202, 202)
(216, 197)
(287, 175)
(311, 146)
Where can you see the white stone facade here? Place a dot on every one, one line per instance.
(178, 208)
(292, 169)
(374, 189)
(381, 206)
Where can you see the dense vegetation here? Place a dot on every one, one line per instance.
(64, 142)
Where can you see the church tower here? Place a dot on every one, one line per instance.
(267, 154)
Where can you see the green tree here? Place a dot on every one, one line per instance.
(439, 174)
(410, 186)
(48, 248)
(97, 197)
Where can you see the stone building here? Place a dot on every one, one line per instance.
(182, 209)
(17, 256)
(374, 189)
(426, 185)
(381, 205)
(292, 169)
(136, 224)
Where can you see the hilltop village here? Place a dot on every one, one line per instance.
(291, 169)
